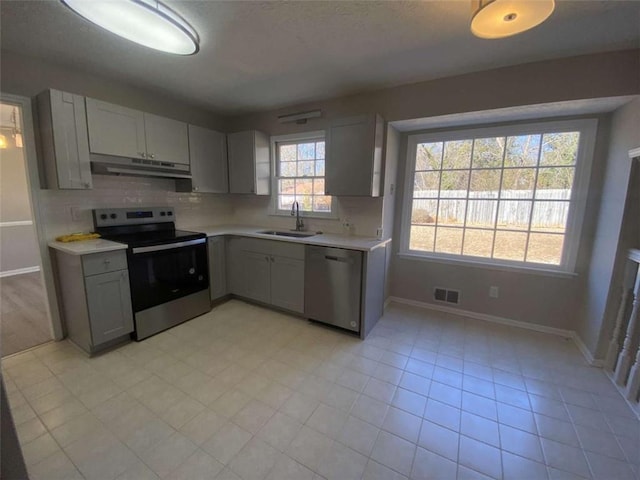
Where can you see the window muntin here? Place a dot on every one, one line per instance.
(496, 195)
(300, 176)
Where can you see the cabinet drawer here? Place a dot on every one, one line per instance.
(97, 263)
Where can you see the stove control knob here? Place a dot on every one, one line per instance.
(113, 216)
(170, 213)
(103, 216)
(162, 214)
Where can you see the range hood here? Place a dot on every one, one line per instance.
(103, 164)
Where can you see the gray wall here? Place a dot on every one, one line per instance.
(616, 230)
(18, 244)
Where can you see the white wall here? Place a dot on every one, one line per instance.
(18, 244)
(616, 231)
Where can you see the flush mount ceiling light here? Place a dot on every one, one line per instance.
(147, 22)
(503, 18)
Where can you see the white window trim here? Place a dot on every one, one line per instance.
(296, 137)
(584, 160)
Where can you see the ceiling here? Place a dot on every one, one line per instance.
(263, 55)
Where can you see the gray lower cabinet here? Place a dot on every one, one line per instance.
(267, 271)
(217, 268)
(96, 299)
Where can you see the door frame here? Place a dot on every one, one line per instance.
(34, 186)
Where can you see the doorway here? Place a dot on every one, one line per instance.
(24, 313)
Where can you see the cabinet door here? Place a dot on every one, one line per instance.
(217, 268)
(354, 156)
(242, 168)
(208, 156)
(70, 140)
(167, 139)
(115, 130)
(287, 283)
(256, 276)
(109, 303)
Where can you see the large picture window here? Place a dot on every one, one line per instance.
(507, 195)
(299, 167)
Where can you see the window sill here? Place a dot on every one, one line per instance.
(526, 269)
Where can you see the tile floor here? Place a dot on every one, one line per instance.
(247, 393)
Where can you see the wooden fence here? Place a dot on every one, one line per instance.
(514, 208)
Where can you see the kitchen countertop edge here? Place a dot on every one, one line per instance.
(365, 244)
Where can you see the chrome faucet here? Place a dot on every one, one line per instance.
(295, 210)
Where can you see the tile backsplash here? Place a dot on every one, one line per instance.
(67, 211)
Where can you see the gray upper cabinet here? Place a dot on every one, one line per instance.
(249, 166)
(115, 130)
(167, 139)
(353, 163)
(208, 154)
(124, 132)
(64, 140)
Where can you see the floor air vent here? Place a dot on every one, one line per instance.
(448, 296)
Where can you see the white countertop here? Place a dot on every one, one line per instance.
(86, 247)
(365, 244)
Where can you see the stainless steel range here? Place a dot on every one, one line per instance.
(168, 268)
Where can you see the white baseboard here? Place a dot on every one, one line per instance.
(19, 271)
(506, 321)
(594, 362)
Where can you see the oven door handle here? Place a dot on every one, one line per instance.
(168, 246)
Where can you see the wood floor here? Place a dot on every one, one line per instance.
(23, 313)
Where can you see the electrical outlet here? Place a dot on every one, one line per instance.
(379, 232)
(493, 292)
(76, 214)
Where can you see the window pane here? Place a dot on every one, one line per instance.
(484, 184)
(449, 240)
(304, 187)
(318, 186)
(560, 148)
(321, 204)
(522, 151)
(320, 168)
(482, 213)
(287, 153)
(422, 238)
(488, 152)
(555, 183)
(550, 216)
(451, 212)
(287, 186)
(426, 184)
(514, 215)
(510, 245)
(545, 248)
(306, 151)
(319, 149)
(305, 169)
(285, 202)
(457, 154)
(305, 201)
(518, 182)
(288, 169)
(478, 243)
(454, 183)
(424, 211)
(428, 156)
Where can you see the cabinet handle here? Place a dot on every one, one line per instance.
(142, 154)
(273, 259)
(86, 185)
(107, 262)
(266, 257)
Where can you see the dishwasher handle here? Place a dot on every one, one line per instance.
(338, 259)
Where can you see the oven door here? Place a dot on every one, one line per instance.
(161, 273)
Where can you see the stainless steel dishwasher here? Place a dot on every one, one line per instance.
(332, 286)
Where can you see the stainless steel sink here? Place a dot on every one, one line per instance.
(287, 234)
